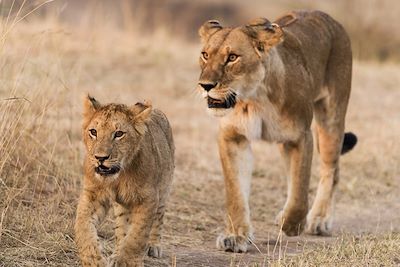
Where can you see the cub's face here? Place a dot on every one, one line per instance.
(112, 134)
(231, 62)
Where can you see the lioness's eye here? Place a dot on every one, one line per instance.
(204, 55)
(232, 57)
(118, 134)
(93, 132)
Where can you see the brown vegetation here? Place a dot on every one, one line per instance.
(46, 66)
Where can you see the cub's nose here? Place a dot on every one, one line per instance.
(208, 86)
(101, 158)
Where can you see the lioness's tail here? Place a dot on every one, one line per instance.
(349, 141)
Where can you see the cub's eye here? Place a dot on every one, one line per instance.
(118, 134)
(93, 132)
(232, 57)
(204, 55)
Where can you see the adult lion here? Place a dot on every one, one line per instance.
(267, 80)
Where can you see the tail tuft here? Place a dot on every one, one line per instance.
(349, 141)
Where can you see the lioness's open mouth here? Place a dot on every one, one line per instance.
(103, 170)
(229, 102)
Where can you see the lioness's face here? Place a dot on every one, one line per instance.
(112, 134)
(231, 65)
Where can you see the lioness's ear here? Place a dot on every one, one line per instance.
(265, 33)
(208, 28)
(141, 113)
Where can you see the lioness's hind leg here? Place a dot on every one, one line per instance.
(330, 115)
(319, 219)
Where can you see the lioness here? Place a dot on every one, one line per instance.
(129, 164)
(267, 80)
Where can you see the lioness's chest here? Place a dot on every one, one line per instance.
(264, 124)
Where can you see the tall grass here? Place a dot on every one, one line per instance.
(47, 64)
(35, 183)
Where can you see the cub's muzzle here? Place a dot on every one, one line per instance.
(105, 171)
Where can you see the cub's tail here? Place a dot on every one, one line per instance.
(349, 141)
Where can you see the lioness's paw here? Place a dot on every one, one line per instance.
(291, 225)
(233, 243)
(154, 251)
(318, 225)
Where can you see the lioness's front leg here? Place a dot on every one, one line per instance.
(237, 162)
(298, 157)
(92, 208)
(133, 247)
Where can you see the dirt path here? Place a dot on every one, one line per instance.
(39, 187)
(200, 219)
(351, 219)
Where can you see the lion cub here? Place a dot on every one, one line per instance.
(129, 165)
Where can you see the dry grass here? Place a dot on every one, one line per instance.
(369, 250)
(45, 69)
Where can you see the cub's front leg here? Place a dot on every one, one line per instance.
(133, 247)
(122, 222)
(92, 208)
(237, 162)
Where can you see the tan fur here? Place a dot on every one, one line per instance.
(138, 192)
(282, 74)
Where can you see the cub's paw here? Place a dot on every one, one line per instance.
(233, 243)
(154, 251)
(319, 225)
(115, 262)
(101, 262)
(292, 224)
(118, 261)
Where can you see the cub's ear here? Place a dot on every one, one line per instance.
(265, 33)
(209, 28)
(90, 106)
(141, 113)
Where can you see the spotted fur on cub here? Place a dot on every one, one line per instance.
(128, 165)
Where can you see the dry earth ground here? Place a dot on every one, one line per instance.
(49, 68)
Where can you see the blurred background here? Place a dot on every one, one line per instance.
(372, 24)
(52, 53)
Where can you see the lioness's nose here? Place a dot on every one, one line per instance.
(101, 158)
(208, 86)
